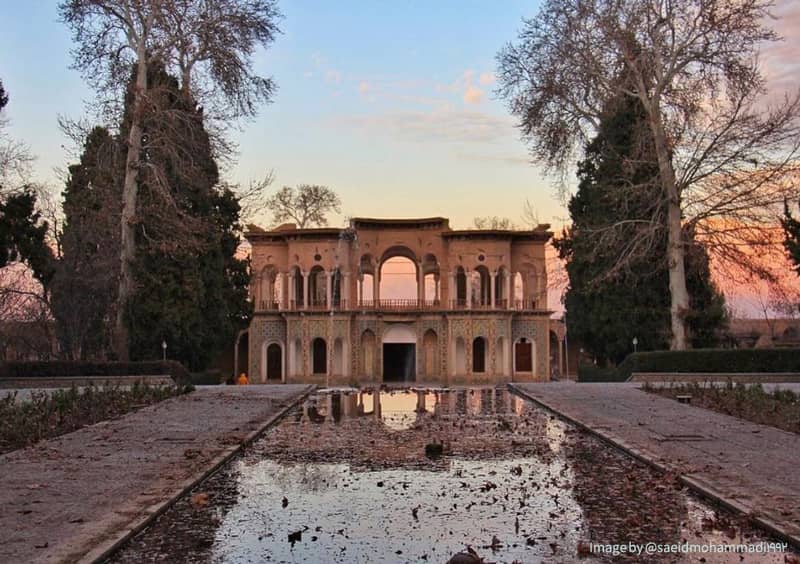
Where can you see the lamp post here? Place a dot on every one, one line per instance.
(635, 343)
(164, 349)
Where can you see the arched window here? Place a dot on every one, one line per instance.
(296, 291)
(479, 355)
(399, 279)
(431, 351)
(482, 286)
(500, 357)
(461, 287)
(338, 357)
(461, 357)
(317, 291)
(319, 353)
(297, 358)
(368, 354)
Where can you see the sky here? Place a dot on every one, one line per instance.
(391, 104)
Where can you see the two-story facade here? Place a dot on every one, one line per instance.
(479, 314)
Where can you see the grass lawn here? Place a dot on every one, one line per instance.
(780, 408)
(49, 414)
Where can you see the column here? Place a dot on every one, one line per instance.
(344, 294)
(360, 289)
(291, 296)
(305, 290)
(509, 292)
(561, 359)
(452, 292)
(468, 276)
(420, 284)
(329, 290)
(492, 276)
(437, 288)
(376, 287)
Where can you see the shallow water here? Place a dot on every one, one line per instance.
(345, 478)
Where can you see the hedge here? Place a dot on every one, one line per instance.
(207, 378)
(62, 368)
(592, 373)
(712, 360)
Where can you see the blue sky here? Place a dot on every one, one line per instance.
(391, 104)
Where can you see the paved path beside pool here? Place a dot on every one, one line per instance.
(71, 498)
(753, 468)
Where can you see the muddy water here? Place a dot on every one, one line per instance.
(346, 478)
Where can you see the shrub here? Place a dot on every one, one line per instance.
(207, 378)
(62, 368)
(49, 414)
(712, 360)
(592, 373)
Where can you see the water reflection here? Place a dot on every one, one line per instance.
(402, 409)
(346, 479)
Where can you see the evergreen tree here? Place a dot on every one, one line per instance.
(23, 235)
(190, 288)
(791, 242)
(84, 287)
(607, 306)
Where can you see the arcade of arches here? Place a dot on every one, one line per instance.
(406, 300)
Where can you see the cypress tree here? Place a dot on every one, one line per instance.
(190, 287)
(618, 194)
(84, 287)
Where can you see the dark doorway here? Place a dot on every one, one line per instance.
(523, 356)
(479, 355)
(319, 350)
(399, 362)
(274, 362)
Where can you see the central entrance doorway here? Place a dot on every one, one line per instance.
(399, 354)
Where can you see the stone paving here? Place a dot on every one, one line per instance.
(69, 499)
(752, 468)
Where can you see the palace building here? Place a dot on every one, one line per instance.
(325, 313)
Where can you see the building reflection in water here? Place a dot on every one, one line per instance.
(400, 409)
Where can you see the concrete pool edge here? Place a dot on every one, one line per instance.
(103, 551)
(694, 483)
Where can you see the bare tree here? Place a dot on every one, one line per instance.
(15, 158)
(208, 44)
(724, 156)
(306, 206)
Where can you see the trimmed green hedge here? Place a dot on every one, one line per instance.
(61, 368)
(207, 378)
(712, 360)
(592, 373)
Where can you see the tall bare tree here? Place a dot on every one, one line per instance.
(208, 44)
(306, 206)
(723, 154)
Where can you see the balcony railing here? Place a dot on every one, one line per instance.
(399, 305)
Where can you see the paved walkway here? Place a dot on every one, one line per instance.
(752, 468)
(71, 498)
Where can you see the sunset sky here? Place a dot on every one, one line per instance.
(391, 104)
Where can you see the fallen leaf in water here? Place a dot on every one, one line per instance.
(199, 499)
(296, 536)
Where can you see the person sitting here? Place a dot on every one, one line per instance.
(242, 379)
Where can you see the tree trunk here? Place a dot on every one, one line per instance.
(679, 295)
(130, 191)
